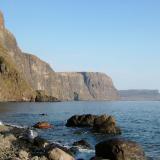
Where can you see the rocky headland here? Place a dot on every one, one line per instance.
(31, 79)
(139, 95)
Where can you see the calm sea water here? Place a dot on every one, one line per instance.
(140, 121)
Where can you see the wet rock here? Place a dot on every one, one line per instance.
(41, 142)
(100, 124)
(74, 150)
(82, 144)
(119, 149)
(106, 124)
(30, 135)
(81, 121)
(58, 154)
(43, 125)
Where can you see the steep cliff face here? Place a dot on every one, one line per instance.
(85, 86)
(12, 85)
(64, 86)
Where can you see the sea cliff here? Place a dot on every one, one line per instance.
(36, 74)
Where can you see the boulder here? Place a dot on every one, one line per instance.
(86, 120)
(82, 144)
(100, 124)
(58, 154)
(119, 149)
(55, 145)
(43, 125)
(106, 124)
(23, 155)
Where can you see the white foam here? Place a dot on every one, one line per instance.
(13, 125)
(1, 123)
(86, 150)
(32, 134)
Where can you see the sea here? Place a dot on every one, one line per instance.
(139, 121)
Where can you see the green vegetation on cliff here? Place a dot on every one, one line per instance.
(12, 85)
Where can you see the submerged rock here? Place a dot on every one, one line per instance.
(100, 124)
(43, 125)
(82, 144)
(119, 149)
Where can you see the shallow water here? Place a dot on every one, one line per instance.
(140, 121)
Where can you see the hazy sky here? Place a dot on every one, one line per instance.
(118, 37)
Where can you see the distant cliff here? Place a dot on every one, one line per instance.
(139, 95)
(38, 75)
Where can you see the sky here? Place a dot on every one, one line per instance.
(118, 37)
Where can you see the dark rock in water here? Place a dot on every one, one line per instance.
(74, 150)
(119, 149)
(41, 142)
(81, 121)
(100, 124)
(106, 124)
(43, 114)
(43, 125)
(82, 144)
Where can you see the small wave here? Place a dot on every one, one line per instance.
(13, 125)
(86, 150)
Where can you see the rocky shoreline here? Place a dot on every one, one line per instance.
(25, 144)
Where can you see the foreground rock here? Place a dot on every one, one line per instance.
(99, 124)
(15, 145)
(58, 154)
(43, 125)
(119, 149)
